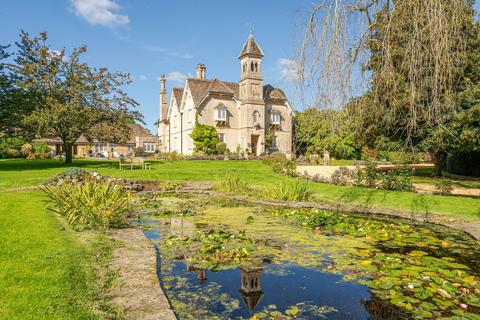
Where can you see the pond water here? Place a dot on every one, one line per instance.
(220, 259)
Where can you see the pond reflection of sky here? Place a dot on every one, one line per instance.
(282, 285)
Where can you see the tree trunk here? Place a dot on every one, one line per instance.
(68, 152)
(438, 158)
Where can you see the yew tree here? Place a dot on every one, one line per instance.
(71, 98)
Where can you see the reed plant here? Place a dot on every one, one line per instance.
(289, 190)
(90, 205)
(231, 183)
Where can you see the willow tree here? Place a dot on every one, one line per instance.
(72, 98)
(412, 56)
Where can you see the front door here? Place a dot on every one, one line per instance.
(254, 142)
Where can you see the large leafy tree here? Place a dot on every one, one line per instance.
(13, 104)
(70, 98)
(326, 130)
(415, 53)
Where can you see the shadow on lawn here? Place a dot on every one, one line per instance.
(22, 164)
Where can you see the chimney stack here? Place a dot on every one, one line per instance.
(201, 71)
(163, 98)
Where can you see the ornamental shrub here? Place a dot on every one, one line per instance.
(222, 148)
(10, 147)
(399, 179)
(443, 187)
(26, 149)
(205, 138)
(40, 147)
(90, 205)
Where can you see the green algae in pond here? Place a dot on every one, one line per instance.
(212, 249)
(412, 267)
(297, 311)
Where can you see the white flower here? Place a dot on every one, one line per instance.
(410, 286)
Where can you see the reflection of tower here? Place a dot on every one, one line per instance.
(251, 290)
(181, 227)
(202, 273)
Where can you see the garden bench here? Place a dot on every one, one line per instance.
(132, 163)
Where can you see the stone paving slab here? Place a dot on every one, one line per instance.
(137, 290)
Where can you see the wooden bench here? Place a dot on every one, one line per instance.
(134, 163)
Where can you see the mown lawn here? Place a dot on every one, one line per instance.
(47, 270)
(21, 173)
(424, 175)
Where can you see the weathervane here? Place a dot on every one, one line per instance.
(250, 27)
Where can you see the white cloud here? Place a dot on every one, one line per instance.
(177, 76)
(142, 77)
(288, 69)
(101, 12)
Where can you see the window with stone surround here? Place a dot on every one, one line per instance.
(275, 117)
(149, 147)
(221, 114)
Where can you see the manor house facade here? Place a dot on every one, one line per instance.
(242, 112)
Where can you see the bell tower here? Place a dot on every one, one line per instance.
(251, 81)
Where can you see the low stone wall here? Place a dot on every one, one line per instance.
(137, 290)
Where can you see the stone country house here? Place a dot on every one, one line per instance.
(242, 112)
(139, 137)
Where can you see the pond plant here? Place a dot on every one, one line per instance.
(390, 269)
(91, 204)
(289, 190)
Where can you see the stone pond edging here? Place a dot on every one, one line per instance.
(137, 289)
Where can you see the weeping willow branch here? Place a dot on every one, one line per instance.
(411, 51)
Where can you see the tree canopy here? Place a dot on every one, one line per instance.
(67, 97)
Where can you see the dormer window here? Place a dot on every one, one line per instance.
(221, 114)
(275, 118)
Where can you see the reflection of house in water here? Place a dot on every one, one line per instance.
(202, 273)
(181, 227)
(251, 290)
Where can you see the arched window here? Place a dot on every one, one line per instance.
(256, 117)
(244, 67)
(251, 66)
(256, 67)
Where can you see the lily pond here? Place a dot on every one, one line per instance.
(222, 259)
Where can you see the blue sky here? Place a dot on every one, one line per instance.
(151, 37)
(147, 38)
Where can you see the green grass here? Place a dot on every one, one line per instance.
(424, 175)
(21, 173)
(47, 271)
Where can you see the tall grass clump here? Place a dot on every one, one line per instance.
(289, 190)
(231, 183)
(90, 205)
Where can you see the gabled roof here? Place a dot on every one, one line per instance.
(201, 88)
(272, 93)
(219, 86)
(178, 94)
(251, 48)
